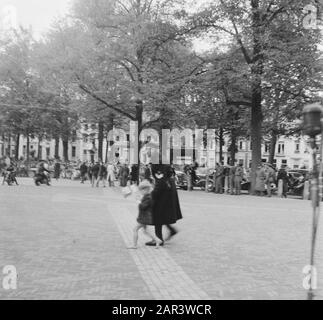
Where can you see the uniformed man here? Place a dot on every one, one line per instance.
(219, 174)
(238, 175)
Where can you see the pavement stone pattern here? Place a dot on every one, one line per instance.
(69, 241)
(165, 279)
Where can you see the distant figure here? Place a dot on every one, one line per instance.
(270, 179)
(260, 181)
(282, 175)
(232, 171)
(134, 174)
(219, 174)
(83, 171)
(111, 175)
(102, 175)
(238, 176)
(124, 175)
(95, 174)
(57, 169)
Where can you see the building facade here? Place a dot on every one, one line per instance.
(294, 152)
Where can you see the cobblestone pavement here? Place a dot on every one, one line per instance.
(70, 241)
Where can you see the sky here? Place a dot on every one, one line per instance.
(36, 13)
(40, 14)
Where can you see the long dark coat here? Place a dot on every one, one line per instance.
(123, 176)
(166, 208)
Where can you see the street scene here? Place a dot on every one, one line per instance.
(70, 242)
(161, 150)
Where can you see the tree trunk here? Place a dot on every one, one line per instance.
(100, 138)
(221, 141)
(9, 145)
(3, 145)
(17, 146)
(256, 126)
(233, 148)
(56, 147)
(272, 147)
(139, 112)
(108, 129)
(65, 150)
(256, 92)
(28, 148)
(39, 156)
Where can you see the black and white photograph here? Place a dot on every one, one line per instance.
(161, 150)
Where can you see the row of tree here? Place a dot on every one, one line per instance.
(111, 61)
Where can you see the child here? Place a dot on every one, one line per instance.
(145, 215)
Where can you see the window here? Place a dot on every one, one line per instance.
(73, 152)
(281, 148)
(85, 152)
(240, 145)
(74, 136)
(47, 152)
(266, 147)
(241, 161)
(284, 162)
(297, 147)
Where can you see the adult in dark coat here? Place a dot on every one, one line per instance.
(166, 208)
(134, 174)
(283, 175)
(124, 175)
(83, 171)
(57, 170)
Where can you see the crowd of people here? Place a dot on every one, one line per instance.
(224, 179)
(232, 179)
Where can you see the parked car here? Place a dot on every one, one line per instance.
(181, 180)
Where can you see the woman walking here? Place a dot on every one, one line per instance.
(166, 208)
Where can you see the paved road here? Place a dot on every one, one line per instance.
(70, 241)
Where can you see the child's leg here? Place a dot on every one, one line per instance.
(135, 236)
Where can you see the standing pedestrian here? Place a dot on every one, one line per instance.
(57, 169)
(238, 176)
(283, 175)
(95, 174)
(102, 174)
(270, 179)
(260, 181)
(134, 174)
(124, 175)
(219, 178)
(147, 173)
(83, 171)
(111, 175)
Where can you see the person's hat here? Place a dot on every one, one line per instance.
(145, 184)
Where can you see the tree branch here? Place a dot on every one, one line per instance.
(110, 106)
